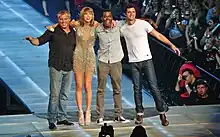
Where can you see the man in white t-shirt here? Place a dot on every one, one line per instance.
(135, 32)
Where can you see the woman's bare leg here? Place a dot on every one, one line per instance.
(79, 84)
(88, 89)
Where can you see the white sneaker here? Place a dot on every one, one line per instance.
(121, 119)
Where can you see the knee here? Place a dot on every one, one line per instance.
(79, 88)
(100, 90)
(64, 97)
(54, 96)
(88, 86)
(136, 88)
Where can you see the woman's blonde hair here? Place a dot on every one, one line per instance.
(82, 13)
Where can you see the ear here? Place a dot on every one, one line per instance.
(101, 18)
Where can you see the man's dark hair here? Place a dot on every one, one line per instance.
(188, 70)
(106, 10)
(201, 82)
(205, 83)
(130, 5)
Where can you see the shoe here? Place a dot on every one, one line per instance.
(52, 126)
(139, 119)
(64, 122)
(121, 119)
(81, 118)
(99, 120)
(164, 120)
(88, 117)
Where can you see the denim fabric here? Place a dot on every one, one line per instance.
(60, 84)
(147, 68)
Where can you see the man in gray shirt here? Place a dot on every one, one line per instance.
(110, 54)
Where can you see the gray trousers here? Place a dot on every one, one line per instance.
(115, 72)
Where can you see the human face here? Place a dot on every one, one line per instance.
(201, 90)
(167, 3)
(186, 3)
(195, 8)
(64, 21)
(175, 14)
(87, 17)
(154, 3)
(180, 2)
(187, 77)
(131, 14)
(107, 18)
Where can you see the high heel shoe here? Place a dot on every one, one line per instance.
(81, 118)
(88, 117)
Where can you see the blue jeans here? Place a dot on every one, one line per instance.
(60, 84)
(147, 68)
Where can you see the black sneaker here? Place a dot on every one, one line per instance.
(64, 122)
(139, 119)
(52, 126)
(99, 120)
(121, 119)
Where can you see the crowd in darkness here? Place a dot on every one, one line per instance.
(192, 25)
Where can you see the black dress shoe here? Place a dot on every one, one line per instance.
(52, 126)
(164, 120)
(64, 122)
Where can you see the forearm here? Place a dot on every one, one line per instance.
(163, 39)
(177, 87)
(187, 34)
(168, 22)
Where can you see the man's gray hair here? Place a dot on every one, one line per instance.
(63, 12)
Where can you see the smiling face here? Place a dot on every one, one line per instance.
(195, 8)
(87, 17)
(107, 19)
(131, 14)
(64, 20)
(167, 4)
(186, 3)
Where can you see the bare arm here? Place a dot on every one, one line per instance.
(74, 23)
(159, 16)
(96, 24)
(177, 87)
(187, 34)
(163, 39)
(168, 23)
(33, 41)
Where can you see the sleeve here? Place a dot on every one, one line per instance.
(147, 26)
(120, 23)
(209, 15)
(46, 37)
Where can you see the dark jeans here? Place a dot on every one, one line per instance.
(147, 68)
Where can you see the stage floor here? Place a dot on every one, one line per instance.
(190, 121)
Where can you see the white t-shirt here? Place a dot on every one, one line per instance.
(136, 37)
